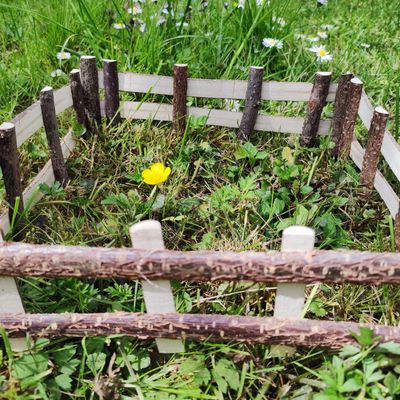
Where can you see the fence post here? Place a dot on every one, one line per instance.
(252, 104)
(350, 116)
(340, 109)
(179, 110)
(53, 138)
(10, 302)
(77, 99)
(157, 294)
(11, 175)
(316, 103)
(111, 89)
(373, 148)
(289, 301)
(90, 86)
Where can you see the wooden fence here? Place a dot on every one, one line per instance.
(291, 269)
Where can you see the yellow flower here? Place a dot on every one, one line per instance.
(156, 174)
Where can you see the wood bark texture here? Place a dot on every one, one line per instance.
(53, 138)
(111, 89)
(373, 149)
(253, 102)
(9, 163)
(204, 327)
(353, 102)
(397, 231)
(90, 86)
(179, 98)
(340, 109)
(77, 98)
(20, 259)
(315, 106)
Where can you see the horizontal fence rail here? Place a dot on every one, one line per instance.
(17, 259)
(204, 327)
(215, 88)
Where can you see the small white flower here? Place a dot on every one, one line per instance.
(142, 26)
(63, 55)
(270, 43)
(56, 72)
(279, 20)
(119, 25)
(322, 35)
(313, 39)
(321, 53)
(300, 36)
(232, 105)
(160, 21)
(322, 2)
(365, 45)
(241, 3)
(135, 10)
(327, 27)
(184, 25)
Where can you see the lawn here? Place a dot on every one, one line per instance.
(222, 194)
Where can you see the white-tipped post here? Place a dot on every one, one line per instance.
(10, 302)
(289, 301)
(157, 295)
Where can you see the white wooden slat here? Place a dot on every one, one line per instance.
(390, 148)
(45, 175)
(215, 88)
(382, 186)
(30, 120)
(158, 295)
(229, 119)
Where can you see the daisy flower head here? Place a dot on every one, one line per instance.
(63, 55)
(232, 105)
(322, 2)
(119, 25)
(56, 73)
(327, 27)
(240, 4)
(270, 43)
(322, 35)
(279, 20)
(135, 9)
(321, 53)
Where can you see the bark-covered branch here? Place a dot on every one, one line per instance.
(18, 259)
(220, 328)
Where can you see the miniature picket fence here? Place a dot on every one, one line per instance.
(291, 269)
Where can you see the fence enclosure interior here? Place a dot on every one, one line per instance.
(291, 269)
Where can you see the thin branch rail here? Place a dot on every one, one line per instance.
(204, 327)
(18, 259)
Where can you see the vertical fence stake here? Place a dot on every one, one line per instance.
(316, 103)
(53, 138)
(397, 231)
(350, 115)
(111, 89)
(77, 98)
(10, 302)
(9, 164)
(157, 294)
(252, 104)
(373, 149)
(179, 98)
(90, 86)
(289, 301)
(340, 109)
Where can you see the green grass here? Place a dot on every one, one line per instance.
(221, 195)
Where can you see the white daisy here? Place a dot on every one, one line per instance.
(279, 20)
(321, 53)
(63, 55)
(365, 45)
(160, 21)
(56, 72)
(322, 2)
(322, 35)
(327, 27)
(135, 10)
(313, 39)
(241, 3)
(232, 105)
(270, 43)
(119, 25)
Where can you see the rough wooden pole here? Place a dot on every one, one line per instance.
(253, 102)
(350, 116)
(179, 98)
(53, 138)
(10, 302)
(157, 294)
(77, 98)
(373, 149)
(397, 231)
(111, 89)
(316, 103)
(90, 86)
(203, 327)
(340, 109)
(9, 164)
(21, 259)
(289, 301)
